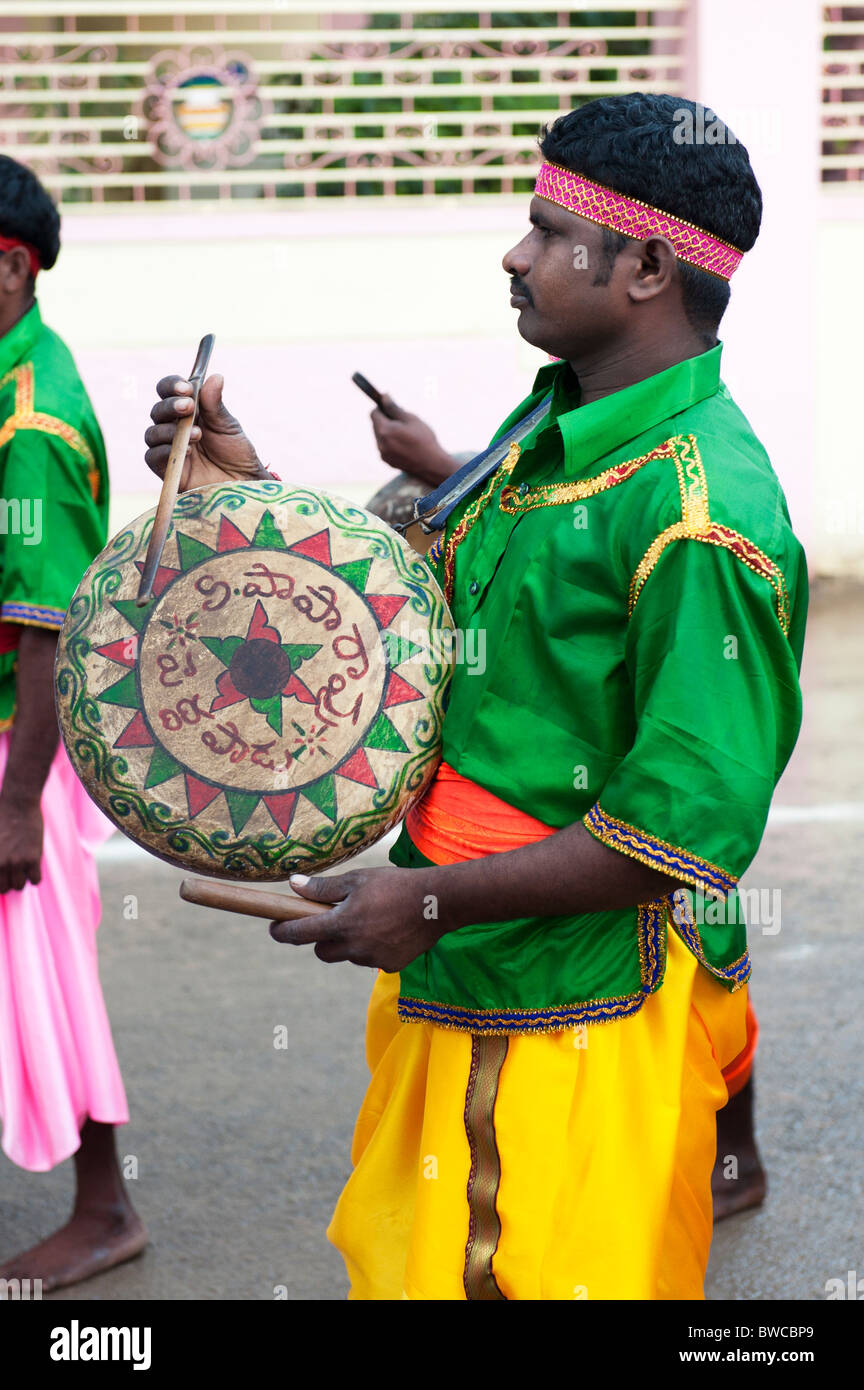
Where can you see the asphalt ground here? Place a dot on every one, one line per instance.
(242, 1147)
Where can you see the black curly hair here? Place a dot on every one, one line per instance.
(27, 211)
(638, 144)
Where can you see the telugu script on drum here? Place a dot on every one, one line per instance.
(264, 713)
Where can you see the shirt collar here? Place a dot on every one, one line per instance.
(20, 340)
(592, 431)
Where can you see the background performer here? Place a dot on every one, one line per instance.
(60, 1087)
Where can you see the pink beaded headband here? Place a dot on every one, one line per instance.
(599, 204)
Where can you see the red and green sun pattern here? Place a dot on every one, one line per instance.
(276, 690)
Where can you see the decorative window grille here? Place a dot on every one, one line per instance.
(843, 94)
(164, 100)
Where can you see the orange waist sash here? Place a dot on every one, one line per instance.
(458, 820)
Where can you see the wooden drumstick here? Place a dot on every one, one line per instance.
(277, 906)
(173, 473)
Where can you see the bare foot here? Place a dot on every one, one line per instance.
(732, 1195)
(93, 1241)
(738, 1181)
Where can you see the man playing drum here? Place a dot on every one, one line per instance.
(563, 963)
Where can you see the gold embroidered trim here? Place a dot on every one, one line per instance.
(24, 380)
(739, 971)
(422, 1011)
(484, 1223)
(559, 494)
(658, 854)
(723, 536)
(460, 531)
(672, 533)
(433, 554)
(514, 502)
(652, 943)
(755, 559)
(49, 624)
(696, 524)
(556, 1018)
(692, 483)
(25, 418)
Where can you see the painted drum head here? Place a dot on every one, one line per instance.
(277, 705)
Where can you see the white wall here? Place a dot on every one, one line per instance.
(298, 299)
(793, 329)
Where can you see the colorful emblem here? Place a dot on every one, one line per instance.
(202, 109)
(201, 112)
(279, 702)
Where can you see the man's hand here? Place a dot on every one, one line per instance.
(382, 918)
(20, 846)
(388, 917)
(408, 443)
(32, 745)
(219, 449)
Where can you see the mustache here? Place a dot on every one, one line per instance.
(519, 287)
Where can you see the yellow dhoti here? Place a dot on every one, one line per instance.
(589, 1157)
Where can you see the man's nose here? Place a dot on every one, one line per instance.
(517, 261)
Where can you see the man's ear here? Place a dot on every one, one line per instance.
(14, 270)
(654, 270)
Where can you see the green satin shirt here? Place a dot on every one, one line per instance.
(636, 588)
(53, 487)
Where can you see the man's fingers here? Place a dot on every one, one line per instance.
(157, 460)
(158, 435)
(157, 456)
(14, 877)
(210, 395)
(172, 409)
(382, 424)
(307, 930)
(379, 425)
(391, 409)
(173, 386)
(331, 952)
(332, 889)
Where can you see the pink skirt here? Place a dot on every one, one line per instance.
(57, 1060)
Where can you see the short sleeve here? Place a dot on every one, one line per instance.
(53, 527)
(717, 709)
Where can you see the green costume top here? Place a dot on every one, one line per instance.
(643, 598)
(53, 487)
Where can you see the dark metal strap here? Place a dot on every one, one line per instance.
(433, 510)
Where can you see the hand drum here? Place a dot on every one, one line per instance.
(277, 706)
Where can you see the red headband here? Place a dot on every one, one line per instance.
(8, 243)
